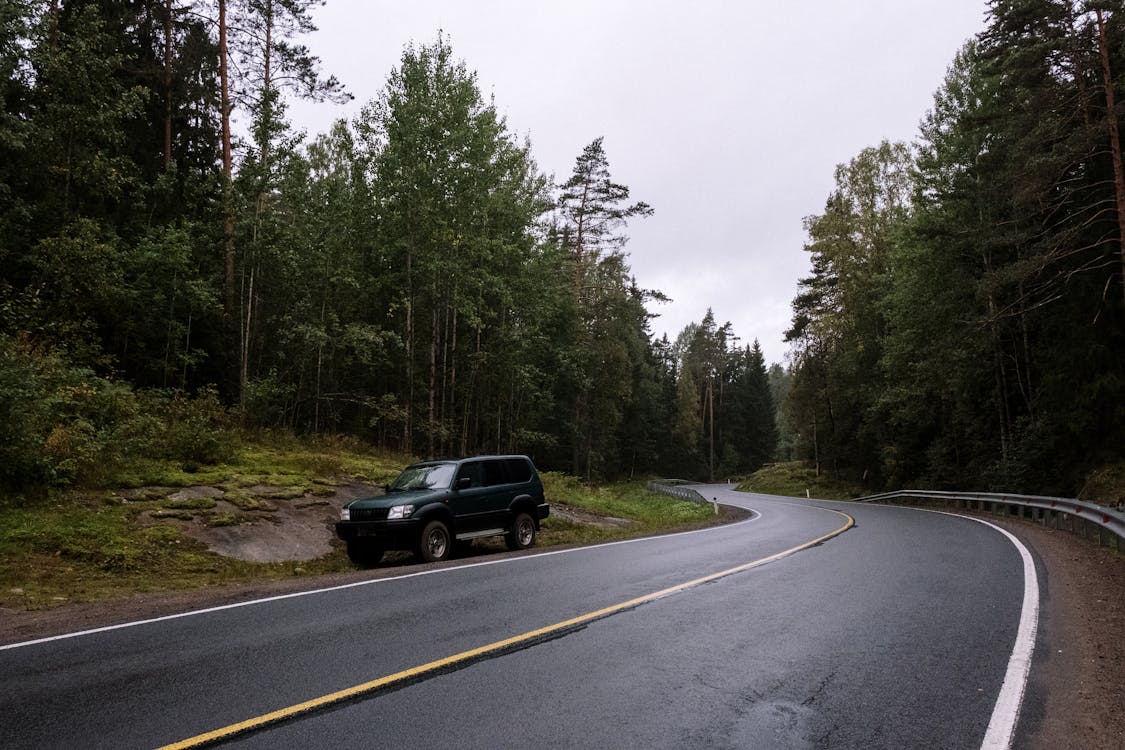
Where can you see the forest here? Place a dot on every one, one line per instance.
(414, 279)
(962, 324)
(411, 278)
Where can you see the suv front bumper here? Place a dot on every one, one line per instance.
(388, 534)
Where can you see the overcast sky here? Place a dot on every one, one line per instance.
(729, 118)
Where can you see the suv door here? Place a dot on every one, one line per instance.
(501, 491)
(469, 503)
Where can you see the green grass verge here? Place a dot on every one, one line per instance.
(86, 545)
(638, 512)
(86, 550)
(280, 460)
(794, 478)
(70, 545)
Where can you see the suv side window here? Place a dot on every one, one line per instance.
(473, 470)
(518, 470)
(494, 473)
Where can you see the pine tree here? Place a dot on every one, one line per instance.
(592, 214)
(590, 218)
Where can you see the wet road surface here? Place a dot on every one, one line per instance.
(895, 633)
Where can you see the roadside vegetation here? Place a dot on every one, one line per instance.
(124, 535)
(798, 479)
(117, 536)
(618, 511)
(1104, 485)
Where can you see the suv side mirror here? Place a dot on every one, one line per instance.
(464, 483)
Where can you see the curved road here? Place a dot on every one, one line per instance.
(896, 632)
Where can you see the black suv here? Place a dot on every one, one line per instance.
(433, 504)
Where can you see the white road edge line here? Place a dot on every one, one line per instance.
(1006, 712)
(310, 592)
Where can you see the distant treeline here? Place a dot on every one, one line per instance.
(963, 323)
(410, 277)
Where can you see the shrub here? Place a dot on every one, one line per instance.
(193, 430)
(62, 425)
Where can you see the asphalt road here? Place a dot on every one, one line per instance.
(895, 633)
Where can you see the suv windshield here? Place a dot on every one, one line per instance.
(433, 476)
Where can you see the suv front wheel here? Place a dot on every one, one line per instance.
(522, 533)
(436, 544)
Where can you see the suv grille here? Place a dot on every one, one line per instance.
(369, 514)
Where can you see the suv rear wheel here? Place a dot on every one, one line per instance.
(435, 544)
(522, 533)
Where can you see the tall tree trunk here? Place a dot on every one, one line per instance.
(187, 349)
(711, 418)
(228, 165)
(1000, 372)
(267, 95)
(251, 259)
(579, 250)
(1114, 142)
(452, 377)
(432, 394)
(53, 37)
(244, 349)
(233, 329)
(408, 417)
(319, 365)
(167, 84)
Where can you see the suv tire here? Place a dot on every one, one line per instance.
(522, 533)
(435, 544)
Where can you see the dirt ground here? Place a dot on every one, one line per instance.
(1077, 690)
(1079, 664)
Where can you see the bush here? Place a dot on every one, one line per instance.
(32, 442)
(193, 430)
(63, 425)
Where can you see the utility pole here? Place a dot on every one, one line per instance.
(711, 417)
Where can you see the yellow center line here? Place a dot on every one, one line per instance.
(284, 714)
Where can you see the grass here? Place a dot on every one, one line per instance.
(298, 467)
(645, 512)
(76, 545)
(794, 479)
(86, 545)
(1105, 486)
(86, 550)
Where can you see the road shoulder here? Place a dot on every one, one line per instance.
(1078, 674)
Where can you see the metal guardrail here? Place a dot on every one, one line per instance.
(673, 487)
(1089, 520)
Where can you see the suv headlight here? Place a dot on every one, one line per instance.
(345, 514)
(400, 511)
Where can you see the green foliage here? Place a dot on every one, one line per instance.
(725, 421)
(797, 479)
(1105, 486)
(977, 342)
(64, 425)
(839, 319)
(412, 278)
(393, 279)
(640, 510)
(76, 546)
(191, 503)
